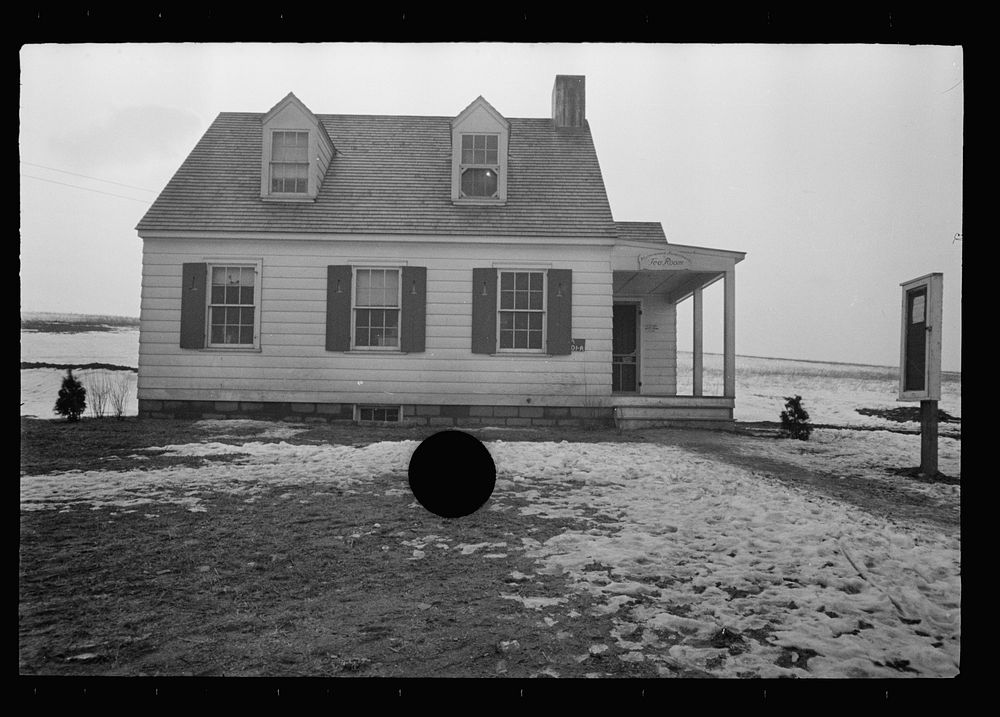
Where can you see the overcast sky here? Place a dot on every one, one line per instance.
(837, 168)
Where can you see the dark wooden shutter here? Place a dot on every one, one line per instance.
(484, 311)
(338, 308)
(193, 278)
(413, 326)
(560, 312)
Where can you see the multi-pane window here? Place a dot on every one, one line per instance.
(480, 165)
(289, 162)
(381, 414)
(376, 308)
(232, 305)
(522, 309)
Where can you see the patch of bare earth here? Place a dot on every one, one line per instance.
(301, 581)
(280, 587)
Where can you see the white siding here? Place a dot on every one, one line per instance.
(659, 347)
(293, 365)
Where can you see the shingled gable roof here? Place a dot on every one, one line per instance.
(391, 175)
(640, 231)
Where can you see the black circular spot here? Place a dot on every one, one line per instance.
(452, 474)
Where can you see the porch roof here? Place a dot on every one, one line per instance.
(675, 270)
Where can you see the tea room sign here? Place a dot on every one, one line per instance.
(663, 261)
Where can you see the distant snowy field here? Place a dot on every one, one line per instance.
(118, 346)
(830, 392)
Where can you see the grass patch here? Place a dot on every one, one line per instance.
(88, 444)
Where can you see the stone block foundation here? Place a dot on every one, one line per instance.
(414, 415)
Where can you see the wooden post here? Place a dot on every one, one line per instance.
(929, 438)
(729, 337)
(698, 366)
(920, 359)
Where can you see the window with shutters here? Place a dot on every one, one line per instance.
(521, 311)
(376, 311)
(233, 319)
(376, 308)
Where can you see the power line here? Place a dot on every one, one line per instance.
(87, 176)
(86, 189)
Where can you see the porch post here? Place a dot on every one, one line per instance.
(729, 341)
(697, 346)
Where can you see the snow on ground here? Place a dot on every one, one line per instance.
(692, 558)
(741, 552)
(257, 467)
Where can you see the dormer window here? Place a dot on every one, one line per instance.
(480, 165)
(295, 153)
(479, 140)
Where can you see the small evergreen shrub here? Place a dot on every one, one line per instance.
(795, 419)
(72, 399)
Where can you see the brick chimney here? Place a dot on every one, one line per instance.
(569, 101)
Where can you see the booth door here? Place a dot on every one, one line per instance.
(916, 340)
(624, 349)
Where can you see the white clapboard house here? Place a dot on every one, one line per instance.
(453, 270)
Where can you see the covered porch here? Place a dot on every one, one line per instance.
(650, 279)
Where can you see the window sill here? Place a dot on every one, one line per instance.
(376, 352)
(522, 354)
(232, 349)
(460, 201)
(291, 198)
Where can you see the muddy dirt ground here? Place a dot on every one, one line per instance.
(311, 582)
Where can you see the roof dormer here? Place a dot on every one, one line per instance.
(295, 152)
(479, 137)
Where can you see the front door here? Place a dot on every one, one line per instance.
(625, 349)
